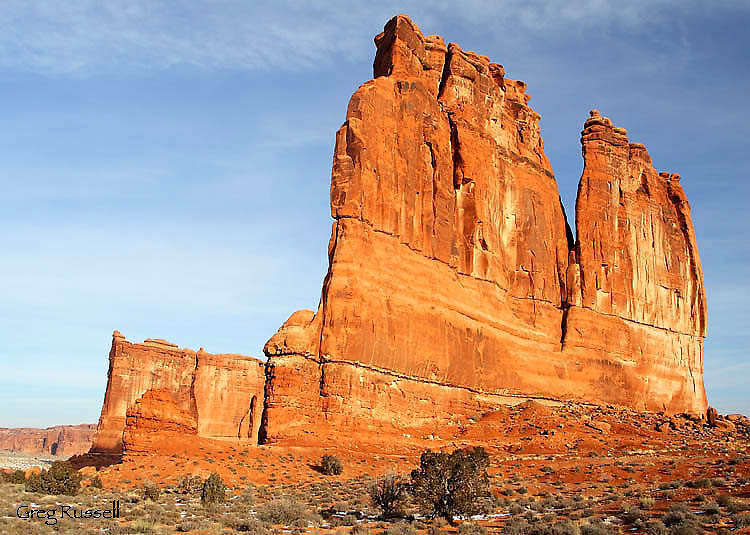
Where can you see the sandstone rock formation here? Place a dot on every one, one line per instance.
(154, 415)
(60, 440)
(223, 394)
(454, 280)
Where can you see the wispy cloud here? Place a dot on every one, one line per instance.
(118, 36)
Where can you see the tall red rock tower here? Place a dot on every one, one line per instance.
(454, 281)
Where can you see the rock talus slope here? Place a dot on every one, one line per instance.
(454, 280)
(223, 394)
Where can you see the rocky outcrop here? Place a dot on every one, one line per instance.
(222, 393)
(454, 280)
(153, 417)
(60, 440)
(635, 282)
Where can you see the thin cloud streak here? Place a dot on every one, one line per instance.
(88, 37)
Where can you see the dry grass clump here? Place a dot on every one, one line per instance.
(287, 512)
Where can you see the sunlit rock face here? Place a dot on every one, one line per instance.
(454, 280)
(223, 393)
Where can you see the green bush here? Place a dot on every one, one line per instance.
(449, 484)
(214, 490)
(331, 465)
(96, 482)
(61, 478)
(389, 494)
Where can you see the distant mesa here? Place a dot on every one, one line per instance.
(455, 284)
(59, 441)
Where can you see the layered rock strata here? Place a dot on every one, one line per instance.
(222, 393)
(154, 417)
(60, 440)
(454, 280)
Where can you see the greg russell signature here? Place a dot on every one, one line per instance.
(52, 514)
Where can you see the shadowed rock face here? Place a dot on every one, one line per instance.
(454, 280)
(221, 393)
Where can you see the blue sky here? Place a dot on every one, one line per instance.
(166, 163)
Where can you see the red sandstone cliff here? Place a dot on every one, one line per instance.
(223, 394)
(154, 418)
(61, 440)
(453, 277)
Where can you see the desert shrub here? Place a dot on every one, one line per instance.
(736, 506)
(61, 478)
(287, 512)
(647, 502)
(702, 483)
(150, 491)
(712, 509)
(331, 465)
(516, 508)
(741, 520)
(243, 524)
(470, 528)
(436, 526)
(96, 482)
(724, 500)
(17, 477)
(360, 530)
(657, 528)
(597, 527)
(681, 521)
(142, 526)
(214, 490)
(402, 528)
(187, 526)
(449, 484)
(190, 485)
(632, 515)
(247, 496)
(565, 527)
(389, 494)
(517, 526)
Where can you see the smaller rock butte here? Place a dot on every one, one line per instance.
(222, 393)
(455, 284)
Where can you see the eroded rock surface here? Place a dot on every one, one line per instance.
(60, 440)
(454, 280)
(153, 417)
(222, 393)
